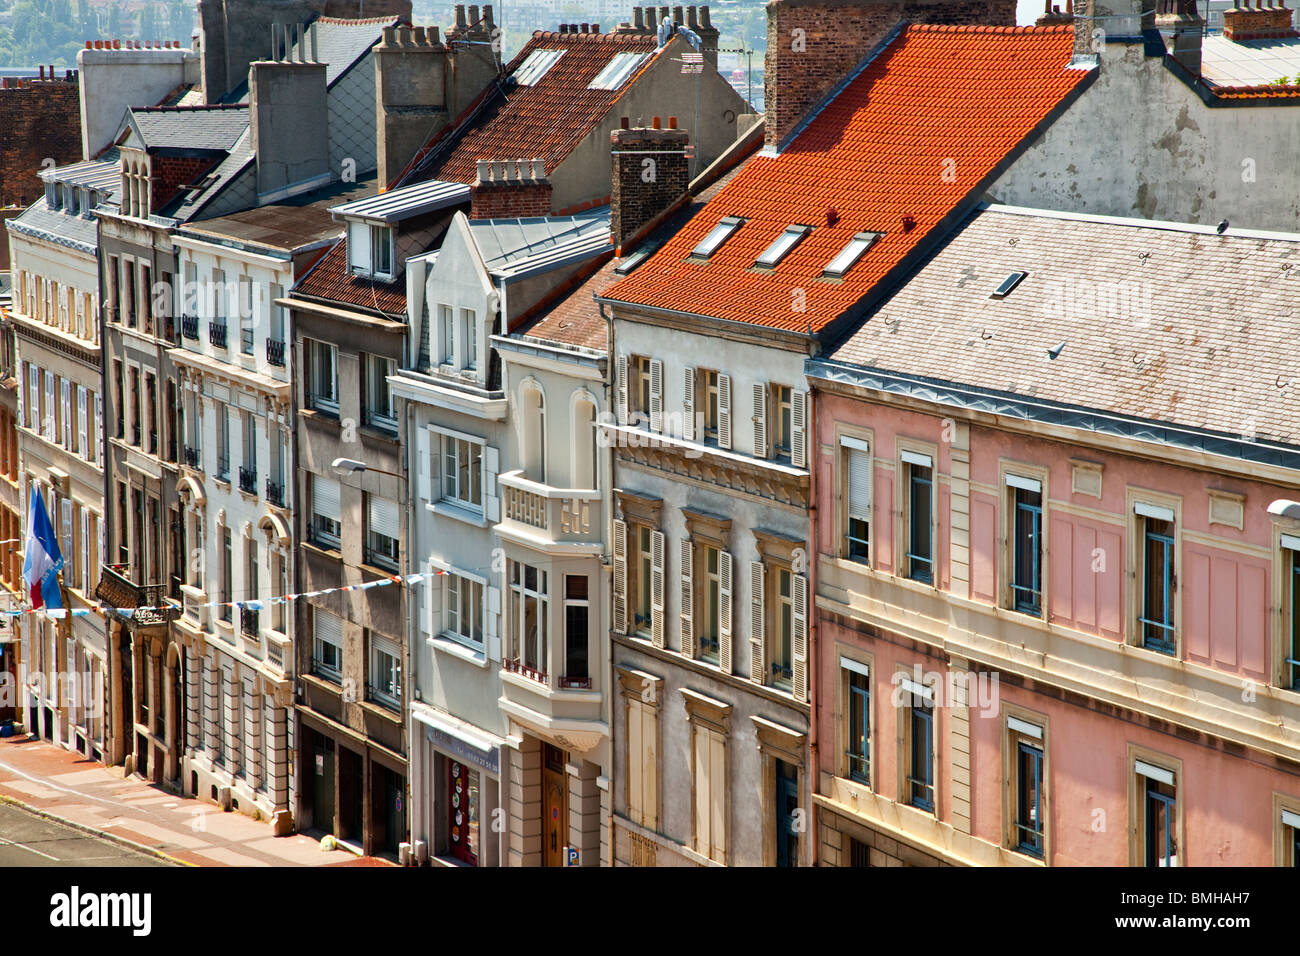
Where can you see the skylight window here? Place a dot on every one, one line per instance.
(535, 67)
(716, 237)
(783, 244)
(847, 257)
(617, 70)
(1009, 283)
(630, 262)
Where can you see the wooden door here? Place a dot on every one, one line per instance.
(555, 808)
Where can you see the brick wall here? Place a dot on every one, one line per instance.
(645, 182)
(813, 44)
(510, 192)
(838, 834)
(172, 172)
(1264, 23)
(39, 121)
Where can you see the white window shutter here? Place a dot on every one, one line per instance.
(657, 544)
(724, 411)
(83, 424)
(422, 466)
(656, 395)
(688, 598)
(47, 423)
(22, 368)
(724, 611)
(799, 429)
(493, 631)
(859, 483)
(757, 633)
(66, 439)
(491, 500)
(99, 428)
(799, 639)
(433, 601)
(620, 576)
(688, 404)
(760, 420)
(622, 389)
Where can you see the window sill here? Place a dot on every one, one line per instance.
(379, 570)
(448, 510)
(383, 431)
(324, 550)
(378, 708)
(321, 416)
(454, 648)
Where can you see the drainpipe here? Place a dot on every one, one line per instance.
(814, 768)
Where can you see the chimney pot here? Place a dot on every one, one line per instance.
(586, 28)
(432, 34)
(656, 124)
(595, 28)
(42, 73)
(473, 14)
(637, 20)
(460, 17)
(704, 17)
(539, 169)
(623, 123)
(677, 16)
(672, 122)
(484, 170)
(691, 19)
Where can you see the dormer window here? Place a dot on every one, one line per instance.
(370, 250)
(716, 237)
(847, 257)
(781, 246)
(71, 201)
(52, 198)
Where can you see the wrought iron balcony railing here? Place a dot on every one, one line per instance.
(275, 352)
(217, 333)
(248, 480)
(190, 327)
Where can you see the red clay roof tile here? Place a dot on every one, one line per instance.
(330, 279)
(939, 103)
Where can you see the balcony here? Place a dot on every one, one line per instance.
(149, 601)
(248, 480)
(566, 709)
(190, 327)
(542, 514)
(275, 352)
(275, 493)
(193, 458)
(217, 333)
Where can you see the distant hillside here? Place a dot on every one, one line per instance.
(43, 32)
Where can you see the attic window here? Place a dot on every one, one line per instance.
(535, 67)
(630, 262)
(717, 236)
(617, 70)
(850, 254)
(783, 244)
(1009, 283)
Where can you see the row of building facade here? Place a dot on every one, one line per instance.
(390, 401)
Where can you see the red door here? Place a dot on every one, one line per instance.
(462, 812)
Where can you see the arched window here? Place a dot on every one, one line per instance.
(584, 442)
(533, 437)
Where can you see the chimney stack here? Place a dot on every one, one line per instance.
(413, 79)
(1182, 29)
(288, 116)
(510, 189)
(1243, 22)
(650, 173)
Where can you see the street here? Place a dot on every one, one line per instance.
(27, 839)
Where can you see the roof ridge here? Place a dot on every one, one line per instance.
(193, 108)
(987, 28)
(363, 21)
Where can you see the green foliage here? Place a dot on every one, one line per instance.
(41, 32)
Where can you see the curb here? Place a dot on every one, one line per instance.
(91, 831)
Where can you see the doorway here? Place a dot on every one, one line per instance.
(555, 806)
(322, 789)
(787, 807)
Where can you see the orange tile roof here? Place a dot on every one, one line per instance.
(547, 120)
(878, 152)
(330, 279)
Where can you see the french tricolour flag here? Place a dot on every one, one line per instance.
(44, 559)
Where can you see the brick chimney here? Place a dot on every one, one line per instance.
(812, 45)
(1244, 22)
(651, 171)
(510, 189)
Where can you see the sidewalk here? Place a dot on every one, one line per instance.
(71, 788)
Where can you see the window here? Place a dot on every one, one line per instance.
(643, 579)
(857, 499)
(1290, 843)
(847, 257)
(918, 748)
(326, 523)
(716, 237)
(1028, 817)
(857, 716)
(577, 615)
(781, 246)
(782, 421)
(706, 392)
(381, 240)
(252, 590)
(1025, 501)
(462, 472)
(1291, 588)
(1158, 815)
(709, 767)
(1156, 577)
(639, 389)
(384, 681)
(322, 376)
(227, 564)
(918, 492)
(327, 644)
(223, 441)
(470, 326)
(1009, 283)
(383, 531)
(617, 70)
(709, 621)
(783, 628)
(464, 610)
(528, 619)
(370, 250)
(786, 806)
(641, 693)
(246, 317)
(535, 67)
(379, 398)
(279, 608)
(447, 323)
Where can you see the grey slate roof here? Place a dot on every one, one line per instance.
(397, 205)
(73, 232)
(1162, 322)
(102, 175)
(517, 247)
(339, 45)
(214, 128)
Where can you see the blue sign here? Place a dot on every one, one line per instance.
(463, 751)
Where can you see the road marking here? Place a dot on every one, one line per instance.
(24, 846)
(50, 783)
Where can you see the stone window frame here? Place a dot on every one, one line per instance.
(713, 717)
(1280, 637)
(1134, 579)
(643, 689)
(867, 659)
(841, 490)
(777, 552)
(903, 734)
(778, 742)
(1282, 847)
(1137, 805)
(1010, 737)
(639, 511)
(1006, 526)
(902, 496)
(707, 530)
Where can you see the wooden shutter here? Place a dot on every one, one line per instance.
(859, 483)
(799, 639)
(757, 634)
(99, 429)
(703, 816)
(622, 390)
(47, 420)
(620, 576)
(491, 500)
(724, 611)
(34, 398)
(760, 420)
(65, 394)
(635, 760)
(422, 464)
(83, 425)
(688, 598)
(21, 370)
(688, 404)
(724, 411)
(656, 395)
(657, 544)
(799, 429)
